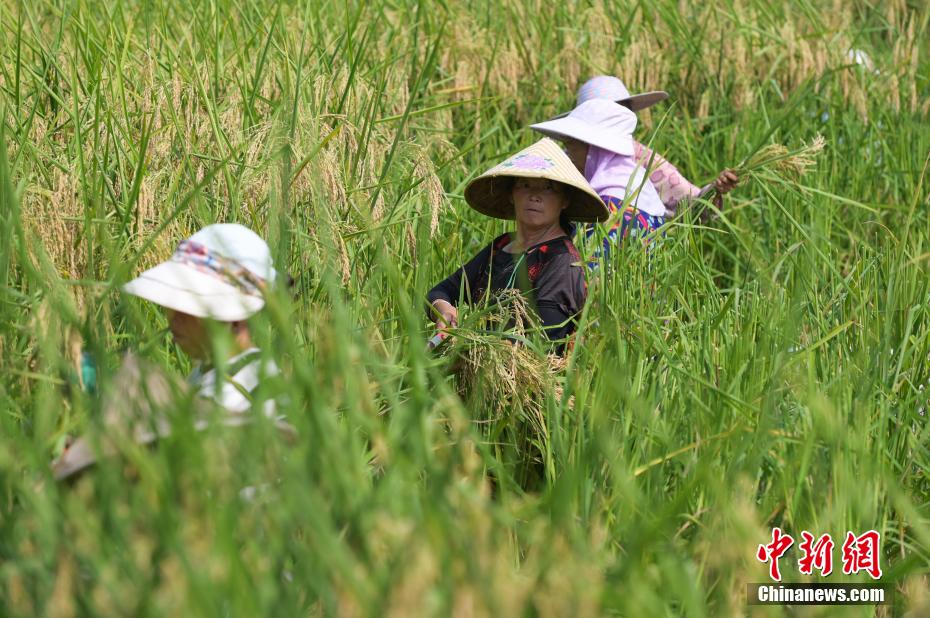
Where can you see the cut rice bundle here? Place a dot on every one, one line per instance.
(506, 383)
(789, 165)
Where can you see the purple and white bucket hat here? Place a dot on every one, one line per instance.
(613, 89)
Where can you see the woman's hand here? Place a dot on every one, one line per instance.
(448, 315)
(726, 181)
(723, 184)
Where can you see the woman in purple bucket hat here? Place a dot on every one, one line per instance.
(598, 137)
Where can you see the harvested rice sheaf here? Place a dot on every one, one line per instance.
(506, 382)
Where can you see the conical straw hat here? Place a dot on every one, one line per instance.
(489, 193)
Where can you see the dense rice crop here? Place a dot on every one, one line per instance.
(768, 367)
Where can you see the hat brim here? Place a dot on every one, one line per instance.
(570, 127)
(643, 100)
(634, 102)
(491, 195)
(183, 288)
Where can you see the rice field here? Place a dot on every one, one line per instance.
(766, 367)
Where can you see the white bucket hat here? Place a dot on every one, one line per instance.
(220, 272)
(613, 89)
(490, 193)
(598, 122)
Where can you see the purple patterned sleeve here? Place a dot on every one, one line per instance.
(668, 181)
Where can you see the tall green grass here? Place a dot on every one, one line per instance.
(771, 367)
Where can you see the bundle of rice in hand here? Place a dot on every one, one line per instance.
(775, 160)
(505, 382)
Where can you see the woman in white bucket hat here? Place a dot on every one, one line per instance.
(622, 170)
(671, 184)
(598, 136)
(540, 189)
(221, 275)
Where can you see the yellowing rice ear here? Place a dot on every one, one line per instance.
(789, 164)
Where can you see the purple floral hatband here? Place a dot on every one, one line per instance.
(529, 162)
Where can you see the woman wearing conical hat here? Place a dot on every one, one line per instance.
(598, 136)
(540, 189)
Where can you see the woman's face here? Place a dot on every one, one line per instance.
(190, 333)
(577, 151)
(538, 202)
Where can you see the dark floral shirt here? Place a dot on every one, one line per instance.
(550, 274)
